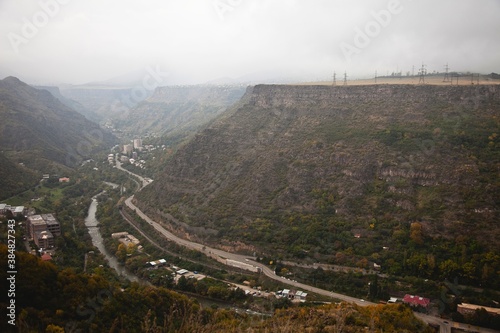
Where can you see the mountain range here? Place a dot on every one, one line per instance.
(178, 110)
(41, 134)
(77, 106)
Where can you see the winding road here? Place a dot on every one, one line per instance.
(445, 326)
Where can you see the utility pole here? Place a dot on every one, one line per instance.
(446, 74)
(421, 73)
(375, 77)
(334, 83)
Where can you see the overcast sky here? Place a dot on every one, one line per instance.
(195, 41)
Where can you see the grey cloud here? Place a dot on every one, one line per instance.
(202, 40)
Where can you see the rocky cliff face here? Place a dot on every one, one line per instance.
(354, 155)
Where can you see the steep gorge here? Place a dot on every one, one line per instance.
(311, 166)
(178, 110)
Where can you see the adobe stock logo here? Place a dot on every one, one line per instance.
(224, 6)
(30, 28)
(363, 37)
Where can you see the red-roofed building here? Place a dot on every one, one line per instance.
(46, 257)
(416, 301)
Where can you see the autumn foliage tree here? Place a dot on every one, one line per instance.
(416, 233)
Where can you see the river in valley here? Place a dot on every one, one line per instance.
(93, 226)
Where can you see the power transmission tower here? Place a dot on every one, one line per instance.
(375, 77)
(334, 83)
(421, 73)
(446, 74)
(345, 78)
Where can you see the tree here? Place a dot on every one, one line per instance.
(54, 329)
(182, 283)
(469, 271)
(362, 263)
(417, 264)
(416, 233)
(217, 292)
(449, 269)
(131, 248)
(431, 264)
(373, 287)
(121, 253)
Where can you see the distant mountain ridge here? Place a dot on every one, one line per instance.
(43, 134)
(178, 110)
(105, 101)
(77, 106)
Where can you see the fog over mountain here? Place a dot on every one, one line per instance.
(191, 42)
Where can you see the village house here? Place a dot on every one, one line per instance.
(15, 210)
(416, 301)
(126, 238)
(297, 295)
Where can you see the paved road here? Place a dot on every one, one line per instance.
(143, 180)
(444, 327)
(238, 257)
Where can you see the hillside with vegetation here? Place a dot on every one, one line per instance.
(42, 135)
(77, 106)
(49, 299)
(178, 111)
(402, 176)
(14, 178)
